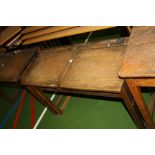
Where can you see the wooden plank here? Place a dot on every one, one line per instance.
(140, 56)
(65, 33)
(47, 68)
(45, 31)
(95, 69)
(12, 64)
(8, 33)
(30, 29)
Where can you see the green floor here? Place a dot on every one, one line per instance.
(81, 113)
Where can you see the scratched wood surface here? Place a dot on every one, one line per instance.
(139, 59)
(9, 32)
(96, 67)
(47, 68)
(13, 64)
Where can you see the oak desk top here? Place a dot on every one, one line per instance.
(47, 69)
(96, 67)
(139, 59)
(12, 64)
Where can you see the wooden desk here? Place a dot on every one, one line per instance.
(90, 68)
(139, 67)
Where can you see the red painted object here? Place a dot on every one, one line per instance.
(32, 112)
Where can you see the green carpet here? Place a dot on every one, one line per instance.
(80, 113)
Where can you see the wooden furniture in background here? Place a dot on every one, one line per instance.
(8, 33)
(90, 69)
(63, 32)
(139, 68)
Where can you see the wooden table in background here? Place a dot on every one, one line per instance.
(139, 68)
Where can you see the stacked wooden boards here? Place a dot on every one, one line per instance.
(38, 34)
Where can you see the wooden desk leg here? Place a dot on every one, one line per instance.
(44, 100)
(136, 92)
(130, 105)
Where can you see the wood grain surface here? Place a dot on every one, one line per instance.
(64, 33)
(47, 68)
(139, 59)
(30, 29)
(95, 68)
(13, 64)
(44, 31)
(9, 32)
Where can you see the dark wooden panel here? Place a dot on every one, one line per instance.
(12, 64)
(139, 60)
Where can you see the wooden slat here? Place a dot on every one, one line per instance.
(8, 33)
(30, 29)
(64, 33)
(152, 104)
(45, 31)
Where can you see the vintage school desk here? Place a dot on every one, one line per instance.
(139, 68)
(12, 64)
(90, 69)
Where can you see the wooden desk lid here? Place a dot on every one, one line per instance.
(96, 67)
(47, 68)
(12, 64)
(139, 59)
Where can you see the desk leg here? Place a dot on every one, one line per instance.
(131, 106)
(136, 92)
(44, 100)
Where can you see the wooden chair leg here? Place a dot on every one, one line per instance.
(130, 105)
(136, 93)
(44, 100)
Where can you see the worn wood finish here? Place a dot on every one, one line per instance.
(12, 64)
(8, 33)
(140, 56)
(136, 92)
(45, 31)
(95, 68)
(47, 68)
(30, 29)
(65, 103)
(65, 33)
(44, 100)
(131, 106)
